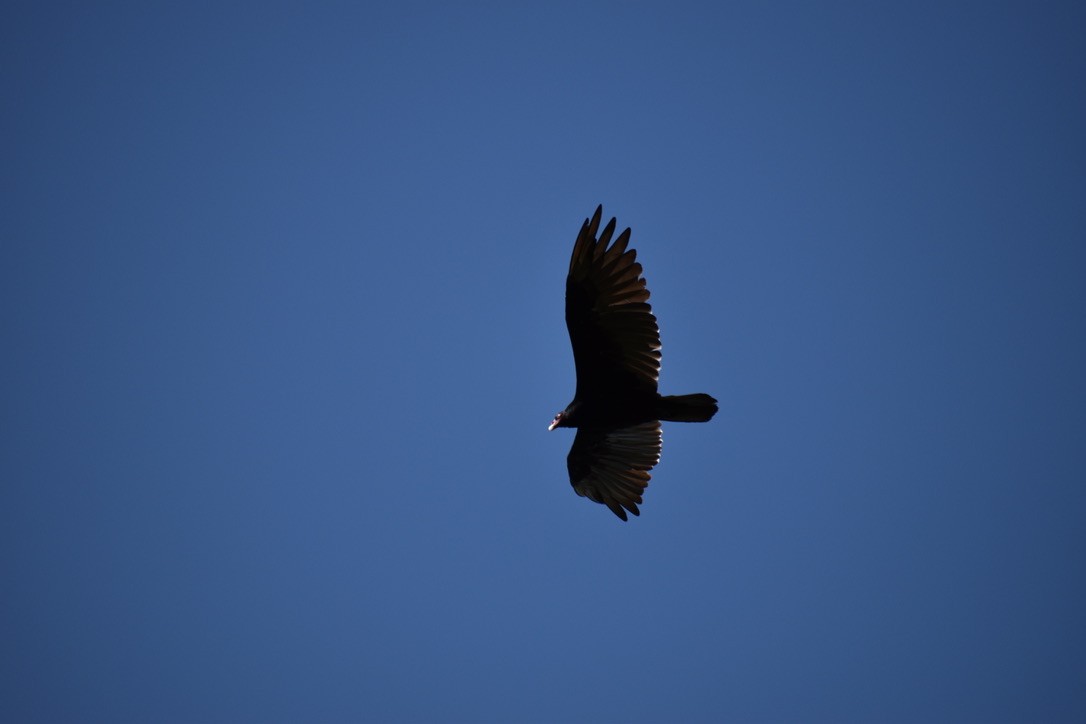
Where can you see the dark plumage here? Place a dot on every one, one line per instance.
(616, 347)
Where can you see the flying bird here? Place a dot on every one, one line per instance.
(616, 349)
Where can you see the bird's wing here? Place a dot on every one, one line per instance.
(616, 343)
(612, 466)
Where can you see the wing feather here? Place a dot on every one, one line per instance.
(612, 467)
(616, 341)
(605, 236)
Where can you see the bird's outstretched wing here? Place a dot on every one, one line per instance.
(612, 466)
(616, 343)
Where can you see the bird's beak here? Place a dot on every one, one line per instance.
(554, 423)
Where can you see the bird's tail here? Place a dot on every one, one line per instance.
(698, 407)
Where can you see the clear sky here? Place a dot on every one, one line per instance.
(281, 295)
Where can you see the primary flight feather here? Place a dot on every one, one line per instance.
(616, 349)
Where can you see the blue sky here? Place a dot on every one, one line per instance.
(281, 304)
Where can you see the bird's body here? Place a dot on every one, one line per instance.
(616, 349)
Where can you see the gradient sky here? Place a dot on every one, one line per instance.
(281, 302)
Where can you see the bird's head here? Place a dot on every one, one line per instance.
(567, 417)
(558, 420)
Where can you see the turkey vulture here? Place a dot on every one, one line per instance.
(616, 348)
